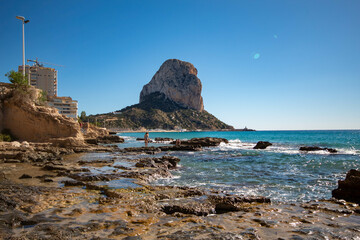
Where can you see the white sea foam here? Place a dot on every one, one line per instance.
(233, 145)
(239, 145)
(128, 137)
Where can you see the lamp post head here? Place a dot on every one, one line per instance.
(20, 18)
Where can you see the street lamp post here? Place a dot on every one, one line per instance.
(23, 37)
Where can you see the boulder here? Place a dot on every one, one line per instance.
(204, 142)
(316, 148)
(167, 162)
(349, 189)
(262, 145)
(178, 81)
(109, 139)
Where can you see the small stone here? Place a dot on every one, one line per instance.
(25, 176)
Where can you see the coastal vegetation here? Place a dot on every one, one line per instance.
(18, 80)
(5, 136)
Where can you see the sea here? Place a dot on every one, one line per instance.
(280, 172)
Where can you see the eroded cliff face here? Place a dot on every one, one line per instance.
(28, 121)
(179, 82)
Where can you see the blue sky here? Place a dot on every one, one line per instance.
(279, 64)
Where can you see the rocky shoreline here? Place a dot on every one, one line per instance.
(54, 191)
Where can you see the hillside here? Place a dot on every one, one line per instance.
(159, 112)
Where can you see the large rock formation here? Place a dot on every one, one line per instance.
(28, 121)
(178, 81)
(349, 189)
(171, 100)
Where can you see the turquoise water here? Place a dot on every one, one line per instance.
(280, 172)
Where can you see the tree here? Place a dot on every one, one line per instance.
(42, 97)
(17, 79)
(83, 116)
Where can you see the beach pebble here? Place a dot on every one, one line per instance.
(25, 176)
(25, 144)
(15, 144)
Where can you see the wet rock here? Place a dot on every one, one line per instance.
(48, 180)
(73, 183)
(6, 203)
(181, 148)
(91, 141)
(160, 139)
(349, 189)
(189, 207)
(52, 231)
(112, 193)
(98, 161)
(76, 212)
(131, 237)
(109, 139)
(183, 234)
(147, 150)
(12, 161)
(169, 192)
(265, 222)
(88, 186)
(52, 167)
(45, 176)
(204, 142)
(262, 145)
(89, 177)
(146, 162)
(315, 148)
(168, 162)
(224, 204)
(13, 219)
(250, 233)
(121, 167)
(225, 236)
(24, 176)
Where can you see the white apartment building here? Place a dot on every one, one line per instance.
(41, 77)
(65, 106)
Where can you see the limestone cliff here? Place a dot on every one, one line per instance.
(29, 121)
(178, 81)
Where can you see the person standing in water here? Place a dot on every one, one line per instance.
(146, 139)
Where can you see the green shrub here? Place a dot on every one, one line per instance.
(6, 136)
(42, 97)
(16, 78)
